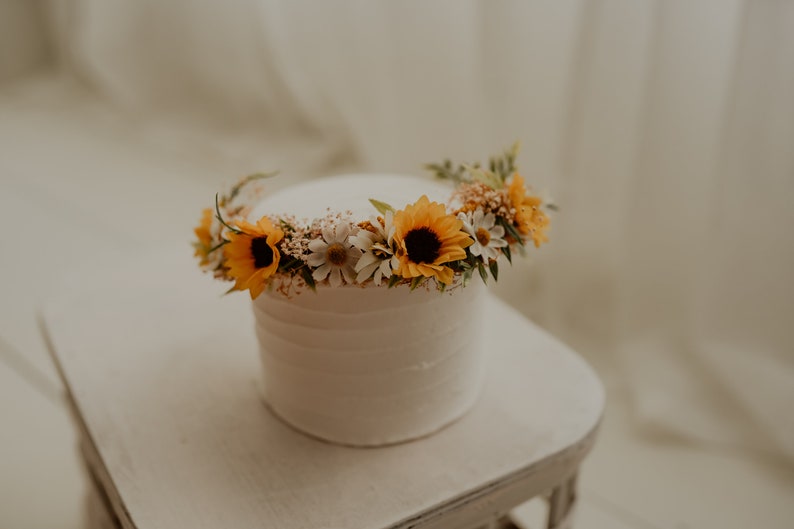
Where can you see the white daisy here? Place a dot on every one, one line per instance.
(332, 255)
(378, 260)
(488, 237)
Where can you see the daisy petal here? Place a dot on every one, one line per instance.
(363, 240)
(318, 245)
(321, 272)
(385, 269)
(328, 235)
(497, 243)
(490, 253)
(366, 260)
(349, 273)
(353, 254)
(342, 231)
(335, 277)
(365, 273)
(316, 259)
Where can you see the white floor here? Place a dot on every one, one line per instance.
(52, 222)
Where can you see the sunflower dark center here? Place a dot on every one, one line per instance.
(422, 245)
(262, 252)
(336, 254)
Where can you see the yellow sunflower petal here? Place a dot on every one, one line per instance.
(443, 229)
(204, 235)
(242, 261)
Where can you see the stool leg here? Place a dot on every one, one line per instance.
(98, 514)
(561, 504)
(97, 510)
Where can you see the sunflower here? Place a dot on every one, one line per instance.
(204, 235)
(529, 218)
(425, 238)
(252, 256)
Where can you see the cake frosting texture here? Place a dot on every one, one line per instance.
(368, 365)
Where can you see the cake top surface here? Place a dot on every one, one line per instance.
(349, 192)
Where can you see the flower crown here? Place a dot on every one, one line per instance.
(490, 214)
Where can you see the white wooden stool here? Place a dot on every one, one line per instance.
(162, 375)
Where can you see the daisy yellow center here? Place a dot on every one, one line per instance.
(483, 236)
(422, 245)
(381, 252)
(336, 254)
(262, 252)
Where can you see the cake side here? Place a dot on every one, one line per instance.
(370, 377)
(367, 365)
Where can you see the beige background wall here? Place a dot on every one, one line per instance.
(663, 129)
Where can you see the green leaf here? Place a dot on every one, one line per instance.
(286, 226)
(220, 217)
(289, 263)
(485, 177)
(382, 207)
(467, 276)
(511, 230)
(506, 251)
(504, 165)
(445, 171)
(245, 181)
(465, 265)
(494, 266)
(437, 169)
(483, 272)
(219, 245)
(499, 169)
(393, 280)
(553, 207)
(306, 274)
(416, 281)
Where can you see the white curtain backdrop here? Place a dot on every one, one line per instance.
(664, 129)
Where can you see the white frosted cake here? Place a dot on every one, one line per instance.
(368, 365)
(366, 290)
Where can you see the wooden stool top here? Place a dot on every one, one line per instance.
(162, 374)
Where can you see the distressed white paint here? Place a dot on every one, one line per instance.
(164, 374)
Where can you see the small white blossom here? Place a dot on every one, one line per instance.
(488, 237)
(333, 256)
(378, 260)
